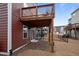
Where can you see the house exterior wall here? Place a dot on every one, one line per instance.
(3, 26)
(77, 33)
(72, 33)
(73, 20)
(17, 27)
(75, 17)
(60, 29)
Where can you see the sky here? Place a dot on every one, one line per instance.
(63, 12)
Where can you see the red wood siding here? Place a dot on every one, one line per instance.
(3, 27)
(17, 30)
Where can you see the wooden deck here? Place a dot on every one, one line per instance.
(37, 16)
(29, 18)
(36, 21)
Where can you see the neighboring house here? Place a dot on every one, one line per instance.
(73, 26)
(59, 30)
(16, 22)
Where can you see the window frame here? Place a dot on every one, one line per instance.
(25, 32)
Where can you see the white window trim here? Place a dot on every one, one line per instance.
(9, 42)
(23, 34)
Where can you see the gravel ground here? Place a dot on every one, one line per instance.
(42, 49)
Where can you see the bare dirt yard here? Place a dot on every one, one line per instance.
(42, 49)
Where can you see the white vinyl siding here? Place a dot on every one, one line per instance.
(75, 17)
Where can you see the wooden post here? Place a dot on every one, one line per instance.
(75, 32)
(51, 42)
(29, 33)
(51, 36)
(36, 11)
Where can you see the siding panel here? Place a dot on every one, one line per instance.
(17, 35)
(3, 27)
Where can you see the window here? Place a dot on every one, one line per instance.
(25, 32)
(73, 14)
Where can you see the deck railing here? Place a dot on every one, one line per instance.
(73, 26)
(42, 10)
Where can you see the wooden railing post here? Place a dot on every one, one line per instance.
(52, 10)
(36, 11)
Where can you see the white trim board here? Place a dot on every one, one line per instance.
(9, 42)
(4, 53)
(20, 47)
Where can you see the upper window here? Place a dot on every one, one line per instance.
(74, 14)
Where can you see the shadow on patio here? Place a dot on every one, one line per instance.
(42, 45)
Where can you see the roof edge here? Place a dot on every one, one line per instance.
(74, 11)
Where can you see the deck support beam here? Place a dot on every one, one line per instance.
(51, 42)
(75, 32)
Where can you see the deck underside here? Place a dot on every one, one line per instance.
(36, 21)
